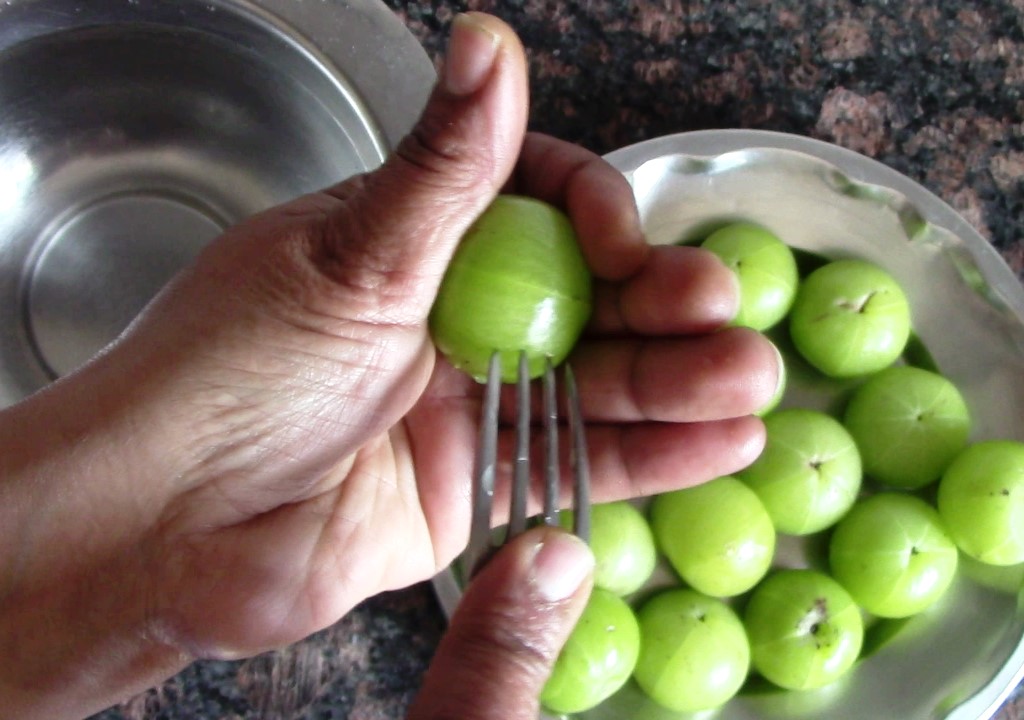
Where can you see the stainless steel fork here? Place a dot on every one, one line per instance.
(482, 542)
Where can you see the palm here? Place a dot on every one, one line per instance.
(387, 515)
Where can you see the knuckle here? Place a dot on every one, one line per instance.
(494, 640)
(443, 148)
(355, 255)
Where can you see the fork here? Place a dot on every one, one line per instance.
(481, 541)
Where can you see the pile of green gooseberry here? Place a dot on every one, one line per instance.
(891, 484)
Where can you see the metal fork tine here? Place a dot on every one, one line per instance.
(481, 544)
(579, 459)
(521, 475)
(552, 481)
(484, 470)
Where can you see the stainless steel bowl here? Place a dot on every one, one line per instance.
(959, 660)
(133, 131)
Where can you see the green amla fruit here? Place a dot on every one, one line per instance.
(517, 282)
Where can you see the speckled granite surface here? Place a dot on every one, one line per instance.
(933, 89)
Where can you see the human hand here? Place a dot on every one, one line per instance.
(275, 439)
(508, 630)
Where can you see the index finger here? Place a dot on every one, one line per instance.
(596, 197)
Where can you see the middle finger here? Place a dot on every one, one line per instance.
(726, 374)
(677, 290)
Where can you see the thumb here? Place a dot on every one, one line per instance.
(508, 630)
(402, 222)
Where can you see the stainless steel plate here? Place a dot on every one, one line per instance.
(960, 660)
(133, 131)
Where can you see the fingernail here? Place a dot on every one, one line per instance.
(737, 293)
(732, 310)
(780, 383)
(780, 380)
(472, 50)
(561, 564)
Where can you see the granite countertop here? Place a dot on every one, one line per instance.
(933, 89)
